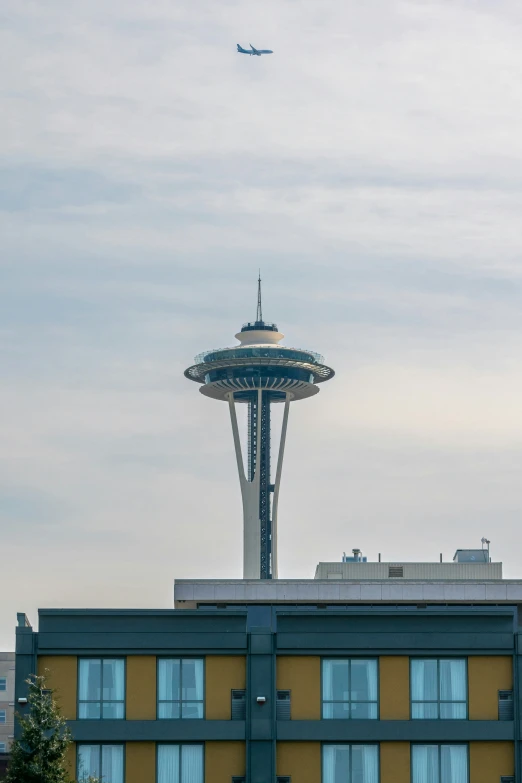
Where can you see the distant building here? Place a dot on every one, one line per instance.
(7, 696)
(468, 564)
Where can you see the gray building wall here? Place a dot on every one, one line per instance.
(7, 670)
(431, 571)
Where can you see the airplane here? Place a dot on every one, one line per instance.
(251, 51)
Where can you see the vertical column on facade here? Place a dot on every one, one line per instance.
(25, 664)
(261, 750)
(517, 704)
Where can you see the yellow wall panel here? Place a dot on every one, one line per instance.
(223, 673)
(62, 674)
(70, 760)
(301, 674)
(394, 685)
(223, 760)
(486, 676)
(141, 687)
(489, 760)
(140, 762)
(300, 760)
(395, 762)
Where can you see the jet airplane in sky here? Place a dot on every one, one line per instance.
(251, 51)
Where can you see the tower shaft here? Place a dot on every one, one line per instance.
(259, 459)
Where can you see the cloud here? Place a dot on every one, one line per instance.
(371, 167)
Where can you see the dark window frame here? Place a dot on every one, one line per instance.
(181, 745)
(349, 701)
(349, 745)
(181, 701)
(439, 746)
(101, 701)
(439, 701)
(100, 745)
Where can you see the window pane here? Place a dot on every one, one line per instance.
(112, 763)
(336, 763)
(113, 680)
(453, 680)
(454, 764)
(113, 709)
(168, 679)
(425, 764)
(90, 679)
(191, 764)
(169, 709)
(88, 761)
(363, 680)
(192, 680)
(453, 711)
(191, 709)
(168, 764)
(3, 684)
(335, 680)
(336, 710)
(89, 710)
(362, 711)
(424, 685)
(365, 764)
(425, 711)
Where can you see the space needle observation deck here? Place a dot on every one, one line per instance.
(259, 372)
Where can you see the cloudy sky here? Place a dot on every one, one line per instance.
(372, 167)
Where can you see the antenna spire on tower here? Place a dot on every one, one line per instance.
(259, 316)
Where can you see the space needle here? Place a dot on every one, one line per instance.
(259, 372)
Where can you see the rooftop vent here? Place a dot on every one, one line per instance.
(395, 571)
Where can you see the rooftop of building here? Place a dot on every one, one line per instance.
(191, 593)
(470, 577)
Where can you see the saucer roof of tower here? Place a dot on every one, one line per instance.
(259, 362)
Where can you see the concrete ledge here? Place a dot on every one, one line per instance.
(188, 593)
(395, 730)
(156, 730)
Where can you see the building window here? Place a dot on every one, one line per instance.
(3, 684)
(439, 689)
(349, 688)
(2, 747)
(439, 764)
(102, 688)
(100, 761)
(180, 688)
(2, 716)
(351, 764)
(180, 764)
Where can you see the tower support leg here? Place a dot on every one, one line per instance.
(259, 513)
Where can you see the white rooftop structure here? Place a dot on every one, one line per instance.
(189, 593)
(401, 570)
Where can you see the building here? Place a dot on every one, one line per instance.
(7, 696)
(259, 373)
(378, 680)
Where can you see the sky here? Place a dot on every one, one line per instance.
(371, 167)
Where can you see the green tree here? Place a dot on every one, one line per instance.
(39, 754)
